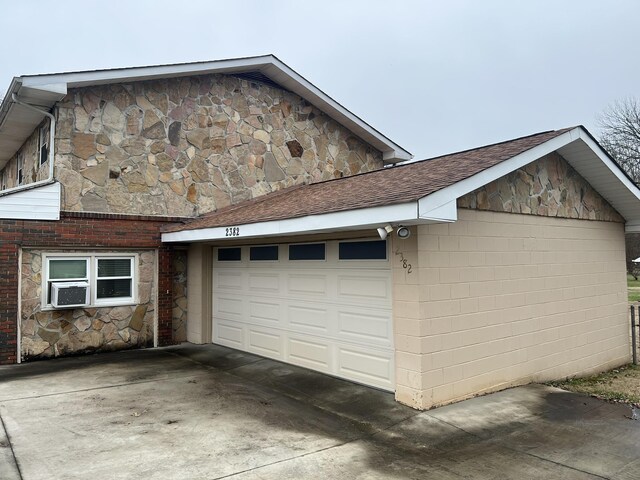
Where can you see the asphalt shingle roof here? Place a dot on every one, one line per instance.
(388, 186)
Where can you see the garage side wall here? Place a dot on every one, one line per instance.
(507, 299)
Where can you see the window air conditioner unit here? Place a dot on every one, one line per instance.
(69, 294)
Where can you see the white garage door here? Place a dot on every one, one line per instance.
(324, 306)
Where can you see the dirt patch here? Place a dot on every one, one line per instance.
(619, 385)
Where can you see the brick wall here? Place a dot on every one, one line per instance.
(507, 299)
(78, 230)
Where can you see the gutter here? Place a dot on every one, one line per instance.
(52, 132)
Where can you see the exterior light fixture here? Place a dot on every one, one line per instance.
(384, 231)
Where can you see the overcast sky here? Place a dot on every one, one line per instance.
(435, 77)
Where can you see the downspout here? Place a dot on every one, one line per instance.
(52, 132)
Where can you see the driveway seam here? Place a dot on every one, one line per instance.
(519, 451)
(13, 453)
(5, 400)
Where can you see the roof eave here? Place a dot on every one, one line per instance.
(350, 220)
(268, 65)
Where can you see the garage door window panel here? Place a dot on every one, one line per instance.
(263, 253)
(230, 254)
(307, 251)
(367, 250)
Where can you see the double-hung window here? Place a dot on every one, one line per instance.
(111, 277)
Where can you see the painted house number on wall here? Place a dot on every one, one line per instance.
(232, 232)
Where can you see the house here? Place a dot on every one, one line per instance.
(234, 202)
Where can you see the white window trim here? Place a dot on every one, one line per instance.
(92, 277)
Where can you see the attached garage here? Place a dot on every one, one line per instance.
(324, 306)
(513, 271)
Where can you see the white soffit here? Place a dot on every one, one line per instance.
(45, 90)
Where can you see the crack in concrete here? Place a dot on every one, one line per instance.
(13, 453)
(90, 389)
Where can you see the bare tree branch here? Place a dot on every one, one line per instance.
(620, 125)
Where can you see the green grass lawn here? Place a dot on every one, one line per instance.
(620, 385)
(634, 289)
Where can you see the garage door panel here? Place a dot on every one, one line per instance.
(365, 366)
(308, 353)
(264, 282)
(268, 343)
(229, 335)
(228, 280)
(368, 327)
(228, 307)
(307, 284)
(307, 317)
(261, 311)
(361, 288)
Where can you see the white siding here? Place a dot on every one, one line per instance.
(39, 203)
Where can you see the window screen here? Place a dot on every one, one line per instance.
(269, 252)
(307, 251)
(229, 254)
(373, 250)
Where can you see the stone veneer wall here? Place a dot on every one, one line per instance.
(548, 187)
(32, 171)
(190, 145)
(179, 311)
(62, 332)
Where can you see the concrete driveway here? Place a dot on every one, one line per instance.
(208, 412)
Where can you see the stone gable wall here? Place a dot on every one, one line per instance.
(548, 187)
(53, 333)
(32, 171)
(187, 146)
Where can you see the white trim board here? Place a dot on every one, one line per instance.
(348, 220)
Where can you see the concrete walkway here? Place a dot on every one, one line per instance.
(207, 412)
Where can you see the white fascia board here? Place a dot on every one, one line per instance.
(436, 200)
(348, 220)
(606, 160)
(267, 64)
(444, 213)
(97, 77)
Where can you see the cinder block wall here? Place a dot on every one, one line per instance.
(507, 299)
